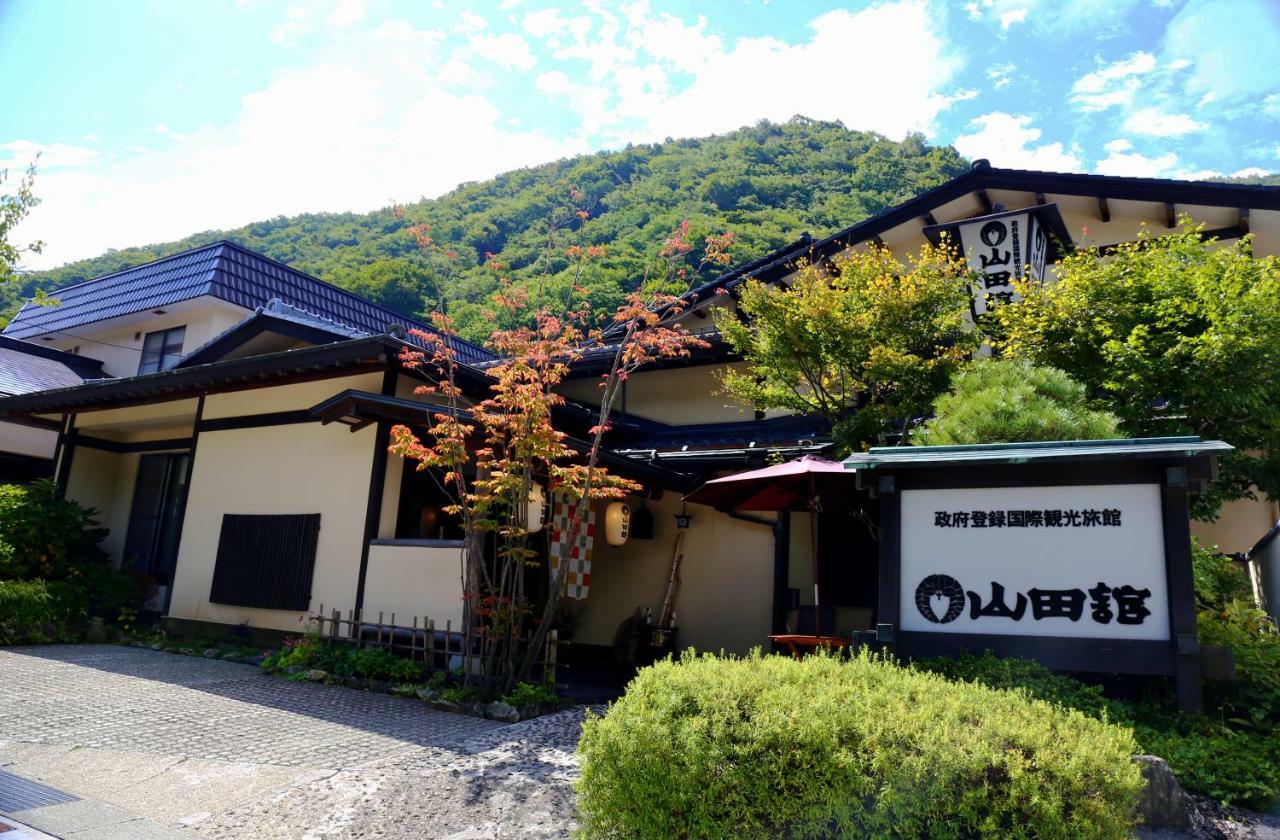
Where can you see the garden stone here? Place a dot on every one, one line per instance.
(426, 692)
(472, 708)
(380, 686)
(497, 710)
(232, 656)
(157, 646)
(212, 653)
(257, 659)
(316, 675)
(187, 651)
(528, 711)
(354, 682)
(293, 669)
(96, 631)
(444, 705)
(1164, 804)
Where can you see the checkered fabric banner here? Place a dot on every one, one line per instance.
(562, 513)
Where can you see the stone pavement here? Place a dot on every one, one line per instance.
(166, 746)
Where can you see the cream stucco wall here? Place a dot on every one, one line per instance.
(1239, 525)
(293, 397)
(27, 440)
(114, 343)
(410, 581)
(299, 468)
(676, 395)
(726, 592)
(105, 480)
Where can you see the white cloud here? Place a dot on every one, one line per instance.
(1197, 174)
(346, 13)
(353, 132)
(470, 22)
(1155, 123)
(508, 50)
(1112, 85)
(1001, 75)
(1005, 12)
(1008, 140)
(20, 154)
(628, 91)
(1230, 46)
(297, 21)
(1251, 172)
(1121, 159)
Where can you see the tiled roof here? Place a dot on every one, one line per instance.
(26, 367)
(223, 270)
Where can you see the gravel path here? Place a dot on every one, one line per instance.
(223, 751)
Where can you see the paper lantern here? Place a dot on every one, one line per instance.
(535, 508)
(617, 523)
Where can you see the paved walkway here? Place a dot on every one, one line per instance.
(159, 745)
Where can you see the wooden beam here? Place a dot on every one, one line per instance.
(1104, 211)
(1244, 220)
(929, 219)
(985, 201)
(1040, 198)
(1170, 215)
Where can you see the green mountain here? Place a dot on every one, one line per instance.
(766, 183)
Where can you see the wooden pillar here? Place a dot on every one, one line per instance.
(1182, 593)
(887, 617)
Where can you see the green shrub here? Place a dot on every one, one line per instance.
(1230, 753)
(45, 536)
(26, 612)
(763, 746)
(1218, 579)
(528, 694)
(342, 660)
(1010, 401)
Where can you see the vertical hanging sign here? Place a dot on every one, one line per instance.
(1002, 249)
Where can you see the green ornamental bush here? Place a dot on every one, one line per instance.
(1013, 401)
(45, 536)
(766, 746)
(26, 612)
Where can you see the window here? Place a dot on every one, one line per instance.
(161, 350)
(266, 560)
(422, 502)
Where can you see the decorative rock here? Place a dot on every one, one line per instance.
(187, 651)
(293, 669)
(212, 653)
(497, 710)
(426, 692)
(316, 675)
(256, 660)
(1164, 804)
(444, 705)
(380, 686)
(96, 632)
(156, 646)
(529, 711)
(472, 708)
(232, 656)
(353, 682)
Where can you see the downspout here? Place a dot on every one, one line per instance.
(781, 528)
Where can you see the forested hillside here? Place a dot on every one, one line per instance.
(767, 183)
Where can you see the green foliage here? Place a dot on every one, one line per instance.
(14, 207)
(766, 183)
(869, 348)
(1174, 334)
(1011, 401)
(1219, 581)
(52, 544)
(26, 612)
(1230, 753)
(529, 694)
(342, 661)
(45, 536)
(772, 746)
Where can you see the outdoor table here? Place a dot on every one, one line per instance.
(796, 642)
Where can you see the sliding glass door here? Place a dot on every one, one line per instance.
(151, 543)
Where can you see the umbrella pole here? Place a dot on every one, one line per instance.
(813, 555)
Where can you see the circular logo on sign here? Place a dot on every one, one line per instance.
(993, 233)
(940, 586)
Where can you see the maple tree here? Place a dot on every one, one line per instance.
(496, 433)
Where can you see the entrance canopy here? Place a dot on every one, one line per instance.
(790, 486)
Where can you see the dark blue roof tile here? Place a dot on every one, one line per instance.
(223, 270)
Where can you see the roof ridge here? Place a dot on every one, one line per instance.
(157, 261)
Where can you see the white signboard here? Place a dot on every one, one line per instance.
(1002, 249)
(1079, 562)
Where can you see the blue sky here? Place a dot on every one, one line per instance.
(159, 119)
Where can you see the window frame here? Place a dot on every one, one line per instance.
(154, 360)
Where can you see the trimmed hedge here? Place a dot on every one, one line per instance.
(765, 746)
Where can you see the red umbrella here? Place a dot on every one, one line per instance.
(807, 484)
